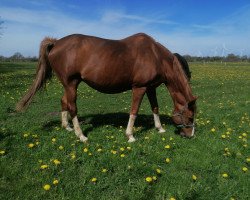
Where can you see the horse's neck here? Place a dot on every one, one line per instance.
(178, 86)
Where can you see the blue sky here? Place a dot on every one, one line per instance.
(198, 28)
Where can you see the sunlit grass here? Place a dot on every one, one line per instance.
(39, 160)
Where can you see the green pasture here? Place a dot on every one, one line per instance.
(39, 160)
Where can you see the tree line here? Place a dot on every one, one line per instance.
(18, 57)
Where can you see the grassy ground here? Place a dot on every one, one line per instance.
(36, 153)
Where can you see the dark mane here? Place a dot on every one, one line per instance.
(184, 65)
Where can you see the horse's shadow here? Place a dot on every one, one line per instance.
(117, 120)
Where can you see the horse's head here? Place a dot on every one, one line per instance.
(185, 119)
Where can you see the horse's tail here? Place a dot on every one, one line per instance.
(43, 73)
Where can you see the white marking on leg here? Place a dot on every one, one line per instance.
(65, 122)
(158, 123)
(78, 130)
(129, 130)
(193, 131)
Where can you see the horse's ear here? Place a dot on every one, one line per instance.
(192, 102)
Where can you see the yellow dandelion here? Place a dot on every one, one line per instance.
(56, 162)
(225, 175)
(149, 179)
(158, 171)
(73, 156)
(60, 147)
(113, 151)
(223, 136)
(55, 182)
(53, 140)
(2, 152)
(104, 170)
(172, 198)
(213, 130)
(90, 154)
(244, 169)
(171, 138)
(154, 178)
(146, 138)
(194, 177)
(167, 160)
(129, 148)
(244, 134)
(122, 155)
(167, 147)
(122, 149)
(163, 139)
(85, 150)
(25, 135)
(248, 159)
(46, 187)
(99, 150)
(31, 145)
(93, 180)
(44, 166)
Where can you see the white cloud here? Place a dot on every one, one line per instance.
(24, 29)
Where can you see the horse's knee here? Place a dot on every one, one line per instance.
(72, 110)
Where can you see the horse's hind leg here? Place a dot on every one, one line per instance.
(137, 95)
(151, 93)
(71, 94)
(65, 121)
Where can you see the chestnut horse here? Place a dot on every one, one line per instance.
(136, 63)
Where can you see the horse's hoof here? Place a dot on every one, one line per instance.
(131, 139)
(83, 139)
(68, 128)
(161, 130)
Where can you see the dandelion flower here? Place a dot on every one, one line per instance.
(149, 179)
(113, 151)
(122, 149)
(146, 138)
(167, 147)
(225, 175)
(93, 180)
(248, 159)
(44, 166)
(154, 178)
(213, 130)
(128, 148)
(60, 147)
(244, 169)
(2, 152)
(55, 182)
(122, 155)
(46, 187)
(172, 198)
(53, 140)
(223, 136)
(167, 160)
(194, 177)
(85, 150)
(104, 170)
(99, 150)
(56, 162)
(25, 135)
(31, 145)
(158, 171)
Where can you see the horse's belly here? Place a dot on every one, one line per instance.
(108, 88)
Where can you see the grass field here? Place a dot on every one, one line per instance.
(39, 160)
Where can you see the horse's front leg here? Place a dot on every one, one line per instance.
(151, 93)
(137, 95)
